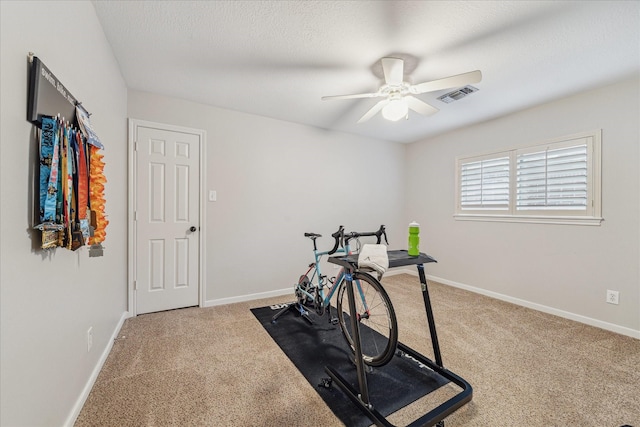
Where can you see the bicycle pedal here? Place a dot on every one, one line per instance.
(325, 382)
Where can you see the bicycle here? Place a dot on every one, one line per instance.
(374, 308)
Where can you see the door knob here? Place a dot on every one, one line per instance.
(193, 229)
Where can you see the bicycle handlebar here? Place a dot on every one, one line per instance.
(341, 237)
(378, 234)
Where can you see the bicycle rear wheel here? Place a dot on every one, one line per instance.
(378, 340)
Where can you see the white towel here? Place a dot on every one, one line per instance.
(374, 257)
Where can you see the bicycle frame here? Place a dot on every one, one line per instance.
(326, 297)
(370, 305)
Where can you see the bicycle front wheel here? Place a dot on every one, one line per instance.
(376, 317)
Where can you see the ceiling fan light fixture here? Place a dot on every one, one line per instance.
(395, 110)
(398, 95)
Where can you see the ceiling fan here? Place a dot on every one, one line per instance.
(398, 94)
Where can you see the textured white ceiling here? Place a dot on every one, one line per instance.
(278, 58)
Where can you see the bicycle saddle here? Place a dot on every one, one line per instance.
(312, 236)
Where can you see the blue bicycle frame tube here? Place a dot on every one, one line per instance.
(318, 255)
(341, 276)
(337, 283)
(335, 286)
(317, 272)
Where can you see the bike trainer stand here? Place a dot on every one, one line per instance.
(295, 307)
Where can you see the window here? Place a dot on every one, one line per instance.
(552, 179)
(485, 184)
(557, 181)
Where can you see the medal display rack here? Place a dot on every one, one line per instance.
(69, 207)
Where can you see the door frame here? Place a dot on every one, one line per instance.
(134, 124)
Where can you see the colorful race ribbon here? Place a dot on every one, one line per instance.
(50, 136)
(96, 191)
(83, 187)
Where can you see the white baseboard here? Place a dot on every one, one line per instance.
(73, 416)
(401, 270)
(249, 297)
(393, 272)
(535, 306)
(276, 293)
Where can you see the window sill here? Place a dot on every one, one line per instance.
(540, 219)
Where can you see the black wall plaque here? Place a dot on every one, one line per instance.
(47, 96)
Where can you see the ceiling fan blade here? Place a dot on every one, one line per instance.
(419, 106)
(393, 69)
(448, 82)
(358, 95)
(373, 111)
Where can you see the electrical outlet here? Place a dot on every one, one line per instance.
(612, 296)
(89, 338)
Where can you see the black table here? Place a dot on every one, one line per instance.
(398, 258)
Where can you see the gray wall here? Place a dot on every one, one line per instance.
(49, 300)
(276, 180)
(268, 195)
(567, 268)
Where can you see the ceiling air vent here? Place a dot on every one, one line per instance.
(448, 98)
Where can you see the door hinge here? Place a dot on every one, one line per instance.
(135, 285)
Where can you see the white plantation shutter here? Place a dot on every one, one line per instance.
(553, 179)
(484, 184)
(557, 181)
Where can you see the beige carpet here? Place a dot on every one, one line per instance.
(218, 367)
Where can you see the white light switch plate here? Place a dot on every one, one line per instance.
(213, 196)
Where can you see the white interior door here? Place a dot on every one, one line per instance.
(166, 219)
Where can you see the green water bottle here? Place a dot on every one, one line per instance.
(414, 239)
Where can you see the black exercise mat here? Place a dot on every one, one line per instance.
(311, 347)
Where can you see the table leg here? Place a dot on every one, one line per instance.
(355, 332)
(430, 319)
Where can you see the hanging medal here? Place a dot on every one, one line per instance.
(49, 156)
